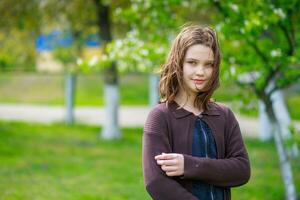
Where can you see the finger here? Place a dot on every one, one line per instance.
(169, 168)
(167, 162)
(173, 173)
(166, 156)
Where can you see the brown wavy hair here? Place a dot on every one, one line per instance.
(172, 70)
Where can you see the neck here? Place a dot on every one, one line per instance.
(187, 102)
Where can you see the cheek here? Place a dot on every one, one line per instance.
(184, 69)
(184, 72)
(210, 72)
(187, 70)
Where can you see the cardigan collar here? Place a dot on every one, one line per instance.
(181, 112)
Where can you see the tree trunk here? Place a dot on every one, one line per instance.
(285, 166)
(266, 128)
(153, 89)
(281, 113)
(111, 128)
(70, 84)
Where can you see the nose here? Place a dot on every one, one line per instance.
(200, 70)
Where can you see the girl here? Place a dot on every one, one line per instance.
(192, 146)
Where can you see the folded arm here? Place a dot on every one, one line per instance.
(155, 142)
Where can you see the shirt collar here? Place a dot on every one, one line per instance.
(181, 112)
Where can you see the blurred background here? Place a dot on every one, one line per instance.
(78, 78)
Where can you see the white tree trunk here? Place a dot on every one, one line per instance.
(285, 166)
(153, 89)
(265, 124)
(70, 84)
(281, 113)
(111, 128)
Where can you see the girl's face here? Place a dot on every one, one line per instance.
(197, 68)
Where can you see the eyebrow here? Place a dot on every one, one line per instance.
(194, 59)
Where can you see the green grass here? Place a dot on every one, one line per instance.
(62, 162)
(49, 89)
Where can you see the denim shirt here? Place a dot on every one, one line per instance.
(204, 145)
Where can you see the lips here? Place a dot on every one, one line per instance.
(198, 81)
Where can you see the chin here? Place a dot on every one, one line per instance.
(199, 89)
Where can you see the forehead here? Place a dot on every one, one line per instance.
(199, 52)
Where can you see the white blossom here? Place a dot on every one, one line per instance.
(118, 44)
(234, 7)
(147, 4)
(118, 10)
(144, 52)
(159, 50)
(279, 12)
(276, 53)
(185, 4)
(135, 57)
(232, 70)
(219, 27)
(134, 7)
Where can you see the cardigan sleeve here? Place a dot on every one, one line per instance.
(155, 141)
(233, 170)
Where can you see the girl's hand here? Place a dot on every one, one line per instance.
(171, 163)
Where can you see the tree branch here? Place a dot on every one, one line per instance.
(273, 90)
(288, 38)
(272, 74)
(290, 13)
(259, 52)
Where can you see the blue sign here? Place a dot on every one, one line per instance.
(57, 38)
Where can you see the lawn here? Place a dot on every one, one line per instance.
(63, 162)
(49, 89)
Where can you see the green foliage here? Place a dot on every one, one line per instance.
(145, 45)
(292, 143)
(14, 56)
(135, 55)
(67, 56)
(18, 30)
(293, 103)
(24, 15)
(260, 37)
(94, 65)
